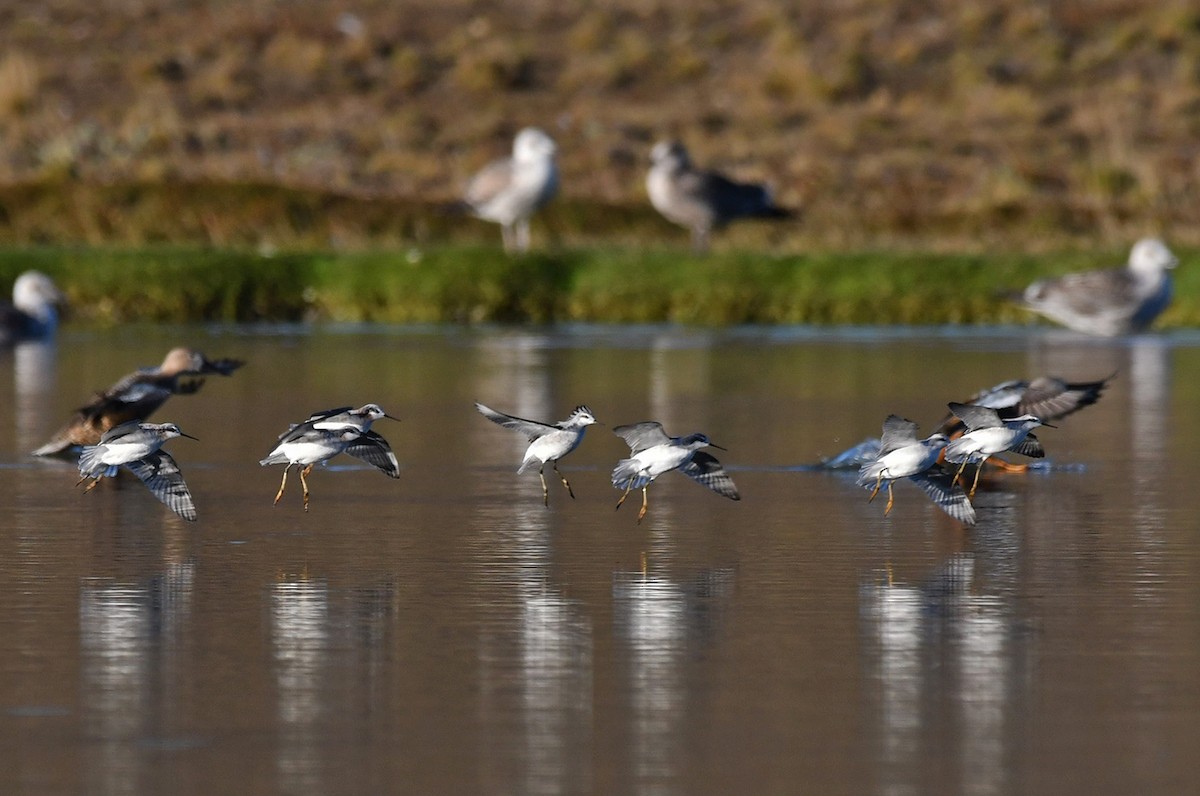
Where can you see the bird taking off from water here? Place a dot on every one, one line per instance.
(988, 434)
(136, 397)
(326, 434)
(510, 190)
(903, 455)
(1109, 302)
(138, 447)
(548, 442)
(654, 452)
(700, 200)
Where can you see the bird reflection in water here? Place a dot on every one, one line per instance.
(926, 639)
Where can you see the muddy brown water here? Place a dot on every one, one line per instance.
(445, 633)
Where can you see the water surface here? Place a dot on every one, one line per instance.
(445, 633)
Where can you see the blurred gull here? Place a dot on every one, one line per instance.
(702, 200)
(654, 452)
(33, 313)
(137, 446)
(510, 190)
(136, 397)
(1109, 302)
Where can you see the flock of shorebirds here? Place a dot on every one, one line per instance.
(111, 432)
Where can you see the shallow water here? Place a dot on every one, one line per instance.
(445, 633)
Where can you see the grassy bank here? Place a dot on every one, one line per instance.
(480, 284)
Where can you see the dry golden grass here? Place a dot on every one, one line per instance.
(1028, 125)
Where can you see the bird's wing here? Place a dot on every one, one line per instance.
(946, 494)
(1051, 398)
(492, 180)
(530, 428)
(123, 430)
(1112, 291)
(640, 436)
(159, 472)
(1030, 446)
(374, 450)
(705, 469)
(897, 432)
(975, 416)
(223, 366)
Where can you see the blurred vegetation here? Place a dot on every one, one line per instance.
(476, 284)
(892, 124)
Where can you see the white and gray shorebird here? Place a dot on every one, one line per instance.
(902, 454)
(138, 447)
(326, 434)
(988, 434)
(510, 190)
(1109, 302)
(654, 452)
(33, 313)
(548, 442)
(702, 200)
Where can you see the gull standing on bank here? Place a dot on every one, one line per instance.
(510, 190)
(902, 454)
(988, 434)
(702, 200)
(654, 452)
(1109, 302)
(548, 442)
(138, 447)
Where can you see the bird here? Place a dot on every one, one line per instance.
(510, 190)
(33, 313)
(548, 442)
(307, 445)
(136, 397)
(702, 200)
(1047, 397)
(903, 455)
(138, 447)
(988, 434)
(654, 452)
(1109, 302)
(345, 417)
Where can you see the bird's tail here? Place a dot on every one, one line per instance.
(89, 461)
(868, 475)
(955, 452)
(627, 469)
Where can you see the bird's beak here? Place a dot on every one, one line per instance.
(189, 436)
(389, 417)
(1048, 425)
(718, 447)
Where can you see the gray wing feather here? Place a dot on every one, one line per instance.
(159, 472)
(705, 469)
(946, 494)
(897, 432)
(374, 450)
(530, 428)
(976, 416)
(640, 436)
(489, 182)
(1030, 446)
(1050, 398)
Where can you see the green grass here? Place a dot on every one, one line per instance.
(459, 284)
